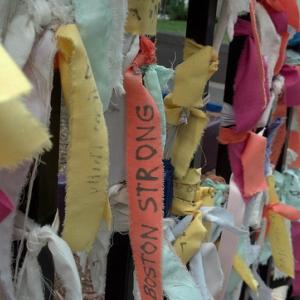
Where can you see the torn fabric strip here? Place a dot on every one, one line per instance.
(87, 165)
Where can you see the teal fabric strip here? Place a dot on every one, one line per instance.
(178, 283)
(250, 254)
(156, 79)
(95, 20)
(220, 190)
(292, 57)
(288, 187)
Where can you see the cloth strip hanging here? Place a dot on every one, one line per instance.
(101, 26)
(30, 283)
(186, 101)
(144, 176)
(87, 163)
(278, 233)
(13, 181)
(6, 206)
(229, 241)
(25, 137)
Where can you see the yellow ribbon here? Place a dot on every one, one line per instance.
(245, 272)
(87, 163)
(278, 236)
(200, 63)
(188, 135)
(22, 136)
(189, 196)
(142, 16)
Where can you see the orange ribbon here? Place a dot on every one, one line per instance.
(287, 211)
(229, 136)
(247, 165)
(145, 177)
(290, 7)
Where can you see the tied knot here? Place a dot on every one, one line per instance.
(37, 239)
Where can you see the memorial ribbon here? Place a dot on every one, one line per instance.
(144, 176)
(278, 232)
(87, 163)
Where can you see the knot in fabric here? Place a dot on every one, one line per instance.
(37, 239)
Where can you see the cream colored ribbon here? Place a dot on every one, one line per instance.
(30, 281)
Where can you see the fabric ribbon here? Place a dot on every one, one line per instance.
(101, 25)
(142, 17)
(296, 246)
(230, 10)
(278, 233)
(115, 119)
(220, 190)
(6, 206)
(30, 283)
(13, 181)
(245, 272)
(290, 7)
(278, 141)
(155, 80)
(280, 21)
(247, 156)
(291, 76)
(229, 241)
(33, 16)
(288, 186)
(145, 177)
(191, 76)
(21, 19)
(294, 141)
(177, 281)
(87, 164)
(97, 258)
(206, 270)
(187, 200)
(25, 136)
(7, 8)
(284, 210)
(247, 255)
(249, 101)
(204, 267)
(270, 47)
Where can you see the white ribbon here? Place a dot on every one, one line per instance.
(222, 220)
(40, 73)
(270, 40)
(230, 11)
(30, 282)
(254, 211)
(7, 8)
(97, 259)
(207, 271)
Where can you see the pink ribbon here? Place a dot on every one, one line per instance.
(249, 99)
(291, 76)
(247, 156)
(6, 206)
(296, 246)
